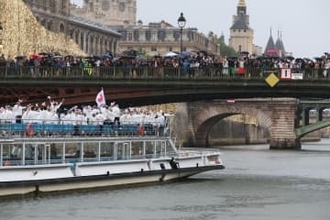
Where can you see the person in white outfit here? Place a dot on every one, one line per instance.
(18, 111)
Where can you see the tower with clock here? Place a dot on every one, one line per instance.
(108, 12)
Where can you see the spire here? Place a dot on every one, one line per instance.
(270, 49)
(241, 20)
(279, 45)
(241, 3)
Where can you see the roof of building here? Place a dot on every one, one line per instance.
(240, 23)
(270, 47)
(280, 46)
(93, 24)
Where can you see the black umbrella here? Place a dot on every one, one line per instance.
(318, 58)
(20, 57)
(289, 57)
(299, 60)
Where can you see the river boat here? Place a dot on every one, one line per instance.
(40, 159)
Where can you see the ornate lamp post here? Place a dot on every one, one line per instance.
(182, 24)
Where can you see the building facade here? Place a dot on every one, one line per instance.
(159, 38)
(109, 12)
(110, 25)
(241, 35)
(92, 37)
(156, 38)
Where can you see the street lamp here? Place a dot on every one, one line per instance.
(182, 24)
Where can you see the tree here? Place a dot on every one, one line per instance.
(226, 50)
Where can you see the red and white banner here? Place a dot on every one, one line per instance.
(286, 73)
(100, 98)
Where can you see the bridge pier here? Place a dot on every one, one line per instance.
(282, 130)
(285, 144)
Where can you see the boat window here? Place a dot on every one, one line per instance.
(137, 150)
(107, 150)
(91, 149)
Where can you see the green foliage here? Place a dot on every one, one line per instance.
(226, 50)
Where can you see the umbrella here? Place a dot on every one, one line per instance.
(299, 60)
(35, 56)
(204, 52)
(106, 56)
(44, 54)
(244, 53)
(232, 58)
(187, 53)
(20, 57)
(170, 54)
(57, 54)
(141, 58)
(318, 58)
(289, 57)
(69, 57)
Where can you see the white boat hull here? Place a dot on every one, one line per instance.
(51, 165)
(18, 189)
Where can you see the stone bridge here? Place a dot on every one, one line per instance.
(275, 114)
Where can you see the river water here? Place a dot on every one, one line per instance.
(256, 184)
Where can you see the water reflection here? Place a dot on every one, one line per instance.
(256, 184)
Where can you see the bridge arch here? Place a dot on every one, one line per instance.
(210, 113)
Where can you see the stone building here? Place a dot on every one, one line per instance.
(241, 34)
(159, 38)
(109, 12)
(156, 38)
(110, 25)
(92, 37)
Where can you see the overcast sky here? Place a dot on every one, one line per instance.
(304, 24)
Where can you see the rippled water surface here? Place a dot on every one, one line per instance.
(256, 184)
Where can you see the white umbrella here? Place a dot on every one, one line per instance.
(171, 54)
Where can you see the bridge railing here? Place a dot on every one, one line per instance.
(165, 72)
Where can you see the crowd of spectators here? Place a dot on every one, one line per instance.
(189, 62)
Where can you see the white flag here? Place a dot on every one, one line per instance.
(100, 98)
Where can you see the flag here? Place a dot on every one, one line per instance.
(100, 98)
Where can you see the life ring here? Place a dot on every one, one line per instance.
(29, 129)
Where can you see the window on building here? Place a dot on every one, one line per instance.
(130, 36)
(63, 4)
(62, 28)
(148, 35)
(153, 48)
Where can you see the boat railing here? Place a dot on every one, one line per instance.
(77, 159)
(9, 130)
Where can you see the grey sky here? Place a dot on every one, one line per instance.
(304, 24)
